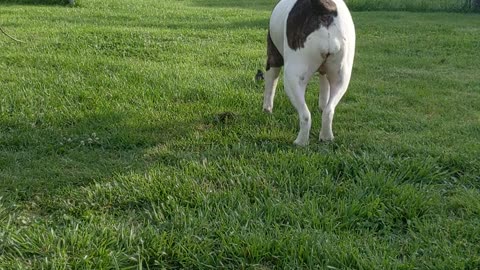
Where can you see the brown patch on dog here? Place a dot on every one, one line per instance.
(307, 16)
(322, 69)
(323, 7)
(274, 58)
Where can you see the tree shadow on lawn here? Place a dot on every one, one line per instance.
(231, 25)
(121, 21)
(40, 158)
(37, 158)
(35, 2)
(245, 4)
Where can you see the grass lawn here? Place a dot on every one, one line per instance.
(132, 137)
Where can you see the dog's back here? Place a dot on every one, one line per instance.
(296, 22)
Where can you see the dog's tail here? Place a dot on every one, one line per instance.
(324, 7)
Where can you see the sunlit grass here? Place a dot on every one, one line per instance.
(132, 135)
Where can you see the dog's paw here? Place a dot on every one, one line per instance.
(326, 137)
(300, 142)
(267, 109)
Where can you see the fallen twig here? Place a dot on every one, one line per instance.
(5, 33)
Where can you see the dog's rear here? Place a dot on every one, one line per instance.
(309, 36)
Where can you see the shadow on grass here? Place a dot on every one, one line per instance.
(234, 25)
(245, 4)
(38, 157)
(127, 20)
(35, 2)
(410, 6)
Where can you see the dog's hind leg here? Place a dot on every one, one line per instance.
(324, 95)
(271, 80)
(296, 80)
(274, 64)
(339, 78)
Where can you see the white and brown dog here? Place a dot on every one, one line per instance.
(309, 36)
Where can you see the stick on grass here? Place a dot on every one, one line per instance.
(5, 33)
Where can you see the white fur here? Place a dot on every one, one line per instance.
(338, 42)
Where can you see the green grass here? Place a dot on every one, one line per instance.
(131, 136)
(411, 5)
(355, 5)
